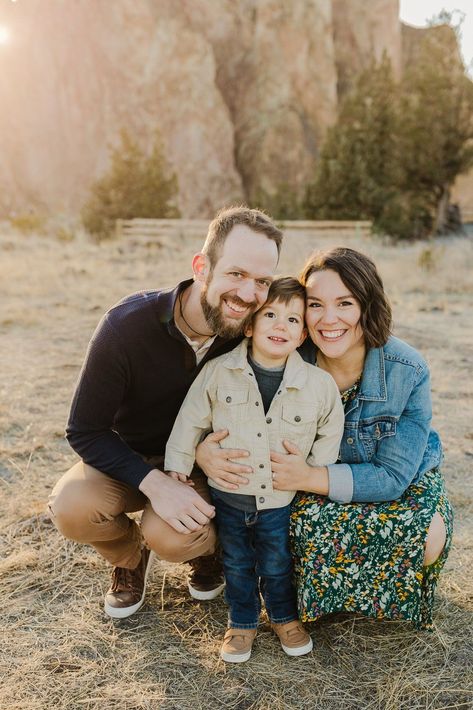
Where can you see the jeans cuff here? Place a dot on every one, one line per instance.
(285, 620)
(233, 625)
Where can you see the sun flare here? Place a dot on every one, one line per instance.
(4, 34)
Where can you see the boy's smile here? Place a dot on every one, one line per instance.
(276, 331)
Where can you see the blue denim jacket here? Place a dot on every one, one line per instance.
(388, 442)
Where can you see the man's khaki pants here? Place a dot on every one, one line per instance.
(88, 506)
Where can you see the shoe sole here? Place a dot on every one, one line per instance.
(123, 612)
(205, 596)
(234, 657)
(299, 651)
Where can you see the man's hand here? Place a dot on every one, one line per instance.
(176, 503)
(216, 462)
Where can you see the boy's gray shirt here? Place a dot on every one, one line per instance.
(306, 410)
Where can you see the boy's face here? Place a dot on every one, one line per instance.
(277, 330)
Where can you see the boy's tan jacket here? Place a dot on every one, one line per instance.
(306, 409)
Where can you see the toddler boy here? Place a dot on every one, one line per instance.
(262, 392)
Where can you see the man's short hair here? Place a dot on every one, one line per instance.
(284, 289)
(361, 277)
(230, 217)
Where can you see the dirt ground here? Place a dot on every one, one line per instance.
(57, 648)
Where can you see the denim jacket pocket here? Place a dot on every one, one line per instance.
(370, 431)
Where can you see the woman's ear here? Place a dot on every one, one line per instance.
(200, 267)
(249, 330)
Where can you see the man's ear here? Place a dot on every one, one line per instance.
(200, 267)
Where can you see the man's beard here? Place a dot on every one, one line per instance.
(225, 328)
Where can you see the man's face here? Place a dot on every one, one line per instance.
(239, 282)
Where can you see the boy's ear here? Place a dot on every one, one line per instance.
(200, 267)
(303, 336)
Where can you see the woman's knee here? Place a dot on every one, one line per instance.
(435, 540)
(172, 546)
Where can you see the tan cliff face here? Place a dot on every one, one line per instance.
(241, 90)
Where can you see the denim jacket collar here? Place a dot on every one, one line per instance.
(373, 381)
(295, 374)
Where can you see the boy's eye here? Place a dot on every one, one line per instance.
(293, 319)
(269, 314)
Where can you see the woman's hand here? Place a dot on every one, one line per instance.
(216, 462)
(291, 472)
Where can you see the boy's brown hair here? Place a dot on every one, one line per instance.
(284, 289)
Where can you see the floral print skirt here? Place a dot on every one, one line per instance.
(368, 557)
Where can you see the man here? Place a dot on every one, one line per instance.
(141, 361)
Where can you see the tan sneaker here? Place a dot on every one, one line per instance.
(128, 587)
(295, 640)
(237, 645)
(206, 580)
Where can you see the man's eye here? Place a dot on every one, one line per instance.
(236, 274)
(264, 283)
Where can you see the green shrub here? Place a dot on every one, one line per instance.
(136, 185)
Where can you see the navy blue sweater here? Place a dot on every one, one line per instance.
(135, 376)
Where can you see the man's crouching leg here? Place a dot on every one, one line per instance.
(89, 507)
(199, 548)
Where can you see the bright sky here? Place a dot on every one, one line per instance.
(417, 12)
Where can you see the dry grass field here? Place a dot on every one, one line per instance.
(57, 648)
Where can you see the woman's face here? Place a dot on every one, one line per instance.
(333, 315)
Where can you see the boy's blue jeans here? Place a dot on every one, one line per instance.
(256, 558)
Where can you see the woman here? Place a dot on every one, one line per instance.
(372, 532)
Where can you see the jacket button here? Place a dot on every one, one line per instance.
(349, 440)
(297, 418)
(268, 420)
(259, 434)
(263, 485)
(261, 499)
(228, 399)
(257, 404)
(261, 465)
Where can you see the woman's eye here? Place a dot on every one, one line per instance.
(313, 304)
(346, 303)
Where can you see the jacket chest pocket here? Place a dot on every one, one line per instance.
(373, 431)
(231, 406)
(297, 421)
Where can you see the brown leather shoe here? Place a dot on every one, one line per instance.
(295, 640)
(128, 588)
(206, 580)
(237, 645)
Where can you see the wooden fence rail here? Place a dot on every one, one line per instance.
(155, 228)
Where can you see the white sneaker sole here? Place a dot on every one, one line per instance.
(300, 650)
(205, 596)
(124, 612)
(234, 657)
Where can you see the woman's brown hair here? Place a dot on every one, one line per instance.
(360, 275)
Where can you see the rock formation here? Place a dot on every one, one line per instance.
(241, 90)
